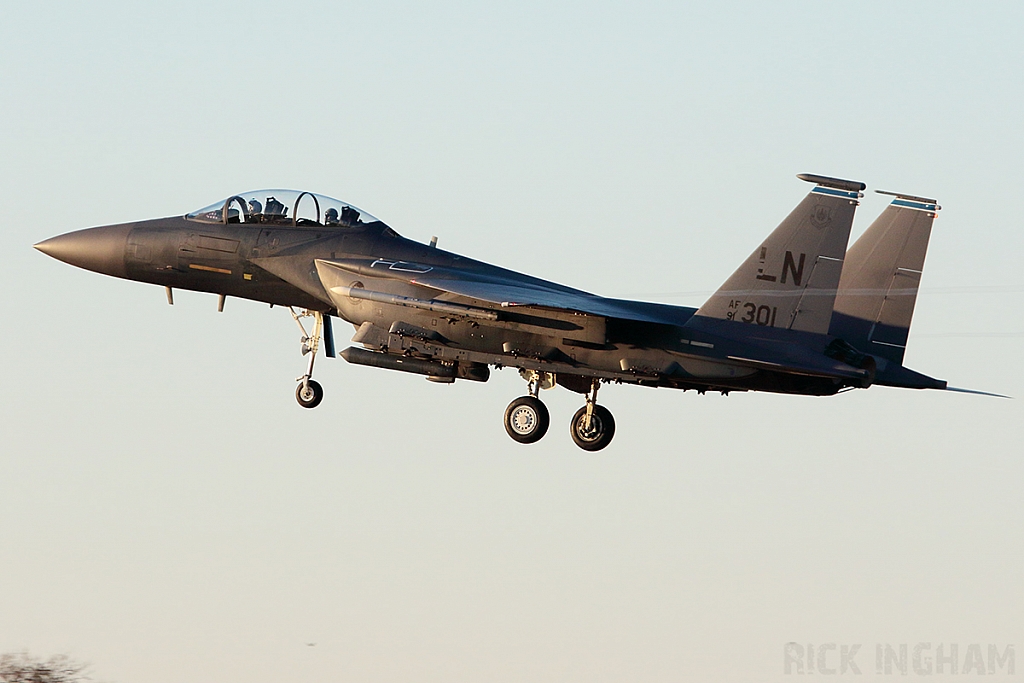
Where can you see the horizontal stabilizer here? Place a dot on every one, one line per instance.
(767, 350)
(893, 375)
(821, 369)
(974, 391)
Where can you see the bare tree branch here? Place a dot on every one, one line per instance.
(21, 667)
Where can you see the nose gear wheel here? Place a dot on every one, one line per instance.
(309, 394)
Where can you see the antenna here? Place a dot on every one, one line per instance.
(838, 183)
(911, 197)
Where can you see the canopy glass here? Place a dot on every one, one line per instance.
(283, 207)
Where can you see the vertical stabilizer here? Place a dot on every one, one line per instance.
(878, 290)
(790, 280)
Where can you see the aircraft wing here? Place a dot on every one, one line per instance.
(504, 288)
(336, 275)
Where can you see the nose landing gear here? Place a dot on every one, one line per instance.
(309, 393)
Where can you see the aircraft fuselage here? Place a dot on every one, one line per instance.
(784, 322)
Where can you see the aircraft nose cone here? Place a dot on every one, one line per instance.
(101, 250)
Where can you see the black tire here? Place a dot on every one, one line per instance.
(527, 419)
(312, 396)
(602, 428)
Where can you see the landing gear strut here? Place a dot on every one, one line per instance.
(592, 426)
(309, 393)
(527, 418)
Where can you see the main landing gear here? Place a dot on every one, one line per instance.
(527, 419)
(309, 393)
(592, 427)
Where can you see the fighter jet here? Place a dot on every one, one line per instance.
(801, 315)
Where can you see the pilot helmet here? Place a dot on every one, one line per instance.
(255, 207)
(331, 216)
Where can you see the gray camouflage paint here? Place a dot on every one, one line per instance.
(770, 327)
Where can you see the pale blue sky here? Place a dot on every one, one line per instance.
(169, 513)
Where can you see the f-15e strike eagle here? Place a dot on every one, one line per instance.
(801, 315)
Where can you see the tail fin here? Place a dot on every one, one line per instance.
(790, 280)
(878, 289)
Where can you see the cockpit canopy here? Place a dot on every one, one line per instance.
(283, 207)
